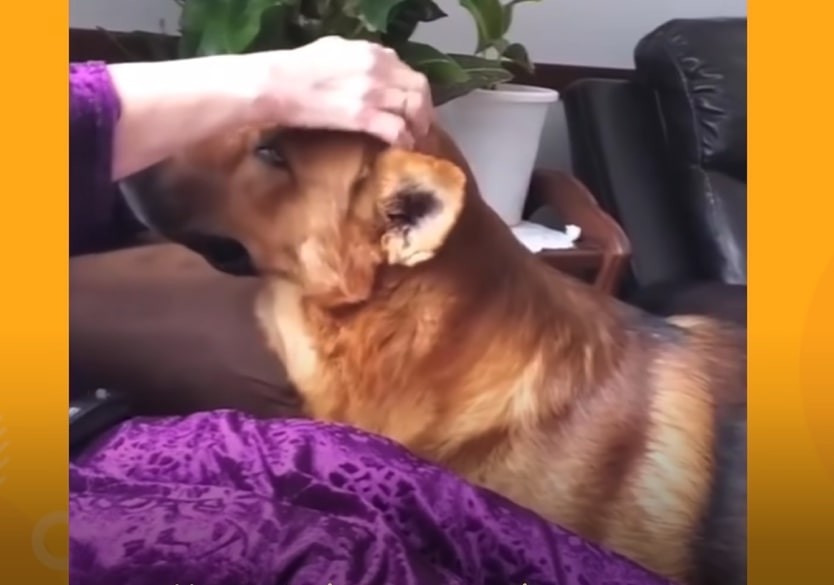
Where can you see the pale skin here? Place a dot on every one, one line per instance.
(332, 83)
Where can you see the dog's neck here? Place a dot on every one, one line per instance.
(483, 318)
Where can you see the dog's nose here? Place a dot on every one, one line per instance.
(224, 254)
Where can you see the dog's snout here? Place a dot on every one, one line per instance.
(224, 254)
(178, 209)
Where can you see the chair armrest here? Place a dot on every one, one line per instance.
(717, 208)
(601, 236)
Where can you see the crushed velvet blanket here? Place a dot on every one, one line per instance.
(222, 498)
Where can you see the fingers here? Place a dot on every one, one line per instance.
(417, 105)
(408, 79)
(392, 99)
(414, 106)
(389, 128)
(357, 85)
(419, 111)
(414, 109)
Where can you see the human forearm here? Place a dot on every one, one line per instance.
(165, 106)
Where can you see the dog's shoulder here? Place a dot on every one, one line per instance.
(707, 337)
(707, 354)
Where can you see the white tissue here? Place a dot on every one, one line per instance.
(537, 237)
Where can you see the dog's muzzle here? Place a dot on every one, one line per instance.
(163, 216)
(224, 254)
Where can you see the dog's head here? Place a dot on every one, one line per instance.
(324, 209)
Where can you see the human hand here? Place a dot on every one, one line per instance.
(345, 85)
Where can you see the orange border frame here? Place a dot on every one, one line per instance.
(791, 313)
(34, 353)
(791, 268)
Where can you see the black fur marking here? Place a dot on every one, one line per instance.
(723, 548)
(410, 205)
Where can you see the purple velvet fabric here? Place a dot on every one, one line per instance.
(220, 498)
(223, 498)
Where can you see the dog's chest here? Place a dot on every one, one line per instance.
(279, 313)
(332, 388)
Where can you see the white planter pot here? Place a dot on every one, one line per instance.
(498, 131)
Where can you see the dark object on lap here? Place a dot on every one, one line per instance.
(92, 415)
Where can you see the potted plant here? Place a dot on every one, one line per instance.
(496, 124)
(498, 127)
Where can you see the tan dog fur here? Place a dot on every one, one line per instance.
(451, 338)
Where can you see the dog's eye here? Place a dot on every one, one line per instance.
(271, 156)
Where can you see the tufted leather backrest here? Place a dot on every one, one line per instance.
(698, 69)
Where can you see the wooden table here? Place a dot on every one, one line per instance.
(602, 252)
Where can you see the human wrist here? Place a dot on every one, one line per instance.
(168, 105)
(247, 86)
(272, 102)
(227, 84)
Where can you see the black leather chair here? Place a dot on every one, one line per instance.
(666, 155)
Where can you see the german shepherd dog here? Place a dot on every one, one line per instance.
(400, 303)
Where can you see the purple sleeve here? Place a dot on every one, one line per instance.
(96, 214)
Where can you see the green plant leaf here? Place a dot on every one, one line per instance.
(481, 74)
(302, 30)
(375, 13)
(405, 17)
(191, 23)
(276, 29)
(485, 72)
(517, 53)
(244, 24)
(424, 10)
(210, 27)
(500, 45)
(314, 8)
(418, 11)
(508, 13)
(436, 66)
(211, 23)
(212, 40)
(489, 20)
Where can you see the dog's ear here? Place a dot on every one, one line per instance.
(419, 200)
